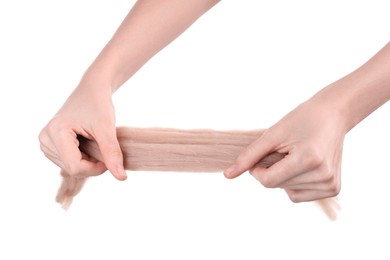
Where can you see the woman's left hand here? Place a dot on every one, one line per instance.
(312, 138)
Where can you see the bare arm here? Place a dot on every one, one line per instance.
(149, 27)
(363, 91)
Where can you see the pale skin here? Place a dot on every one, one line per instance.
(311, 135)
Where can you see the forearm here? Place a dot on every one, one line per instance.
(361, 92)
(148, 28)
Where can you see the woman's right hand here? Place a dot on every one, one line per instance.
(88, 112)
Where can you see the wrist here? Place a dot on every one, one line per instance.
(97, 82)
(352, 98)
(361, 92)
(328, 105)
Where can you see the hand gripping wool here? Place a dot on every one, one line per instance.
(163, 149)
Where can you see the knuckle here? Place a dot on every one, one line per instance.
(46, 133)
(72, 170)
(327, 174)
(42, 148)
(294, 197)
(115, 152)
(242, 159)
(313, 159)
(335, 187)
(108, 132)
(53, 126)
(272, 134)
(267, 182)
(247, 152)
(263, 178)
(42, 136)
(113, 156)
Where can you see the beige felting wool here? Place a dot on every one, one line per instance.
(162, 149)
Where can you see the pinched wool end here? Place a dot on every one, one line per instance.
(70, 187)
(330, 206)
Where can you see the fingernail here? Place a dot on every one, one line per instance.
(230, 170)
(121, 172)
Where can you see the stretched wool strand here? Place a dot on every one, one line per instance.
(158, 149)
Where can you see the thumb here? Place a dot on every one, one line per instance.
(111, 153)
(248, 158)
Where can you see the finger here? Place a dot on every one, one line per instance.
(47, 151)
(292, 165)
(52, 157)
(320, 186)
(46, 145)
(310, 177)
(70, 159)
(87, 169)
(325, 200)
(321, 171)
(332, 185)
(111, 152)
(309, 195)
(250, 156)
(278, 173)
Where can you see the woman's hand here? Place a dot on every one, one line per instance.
(88, 112)
(148, 28)
(312, 137)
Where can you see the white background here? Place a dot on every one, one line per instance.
(241, 66)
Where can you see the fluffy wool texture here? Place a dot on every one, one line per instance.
(158, 149)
